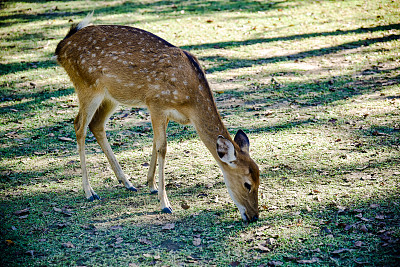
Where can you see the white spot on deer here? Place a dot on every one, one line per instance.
(154, 86)
(69, 42)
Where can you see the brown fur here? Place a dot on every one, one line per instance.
(112, 65)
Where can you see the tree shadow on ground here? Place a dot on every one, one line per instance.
(158, 7)
(233, 44)
(223, 63)
(111, 235)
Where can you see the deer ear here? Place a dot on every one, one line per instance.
(243, 141)
(225, 150)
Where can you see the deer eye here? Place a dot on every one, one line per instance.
(248, 186)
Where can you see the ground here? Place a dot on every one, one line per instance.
(314, 84)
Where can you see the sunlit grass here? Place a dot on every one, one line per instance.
(315, 84)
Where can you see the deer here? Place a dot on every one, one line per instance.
(112, 65)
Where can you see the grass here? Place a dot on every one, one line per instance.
(315, 84)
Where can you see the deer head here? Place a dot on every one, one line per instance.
(241, 174)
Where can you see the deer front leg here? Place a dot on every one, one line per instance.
(159, 122)
(151, 179)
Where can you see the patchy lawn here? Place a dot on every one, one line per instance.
(315, 84)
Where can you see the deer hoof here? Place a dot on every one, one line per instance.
(153, 192)
(167, 210)
(93, 197)
(132, 189)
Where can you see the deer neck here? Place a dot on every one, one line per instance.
(208, 124)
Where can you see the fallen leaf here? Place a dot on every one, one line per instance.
(380, 217)
(275, 263)
(341, 251)
(145, 241)
(61, 225)
(68, 245)
(119, 240)
(196, 241)
(185, 206)
(373, 206)
(270, 241)
(358, 244)
(116, 227)
(168, 226)
(363, 228)
(341, 209)
(209, 21)
(10, 242)
(263, 248)
(30, 252)
(22, 212)
(357, 210)
(57, 209)
(65, 139)
(313, 260)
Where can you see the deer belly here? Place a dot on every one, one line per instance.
(176, 116)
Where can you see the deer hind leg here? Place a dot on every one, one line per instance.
(87, 108)
(159, 123)
(97, 126)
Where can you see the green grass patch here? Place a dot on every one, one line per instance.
(315, 84)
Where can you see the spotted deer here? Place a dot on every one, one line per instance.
(111, 65)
